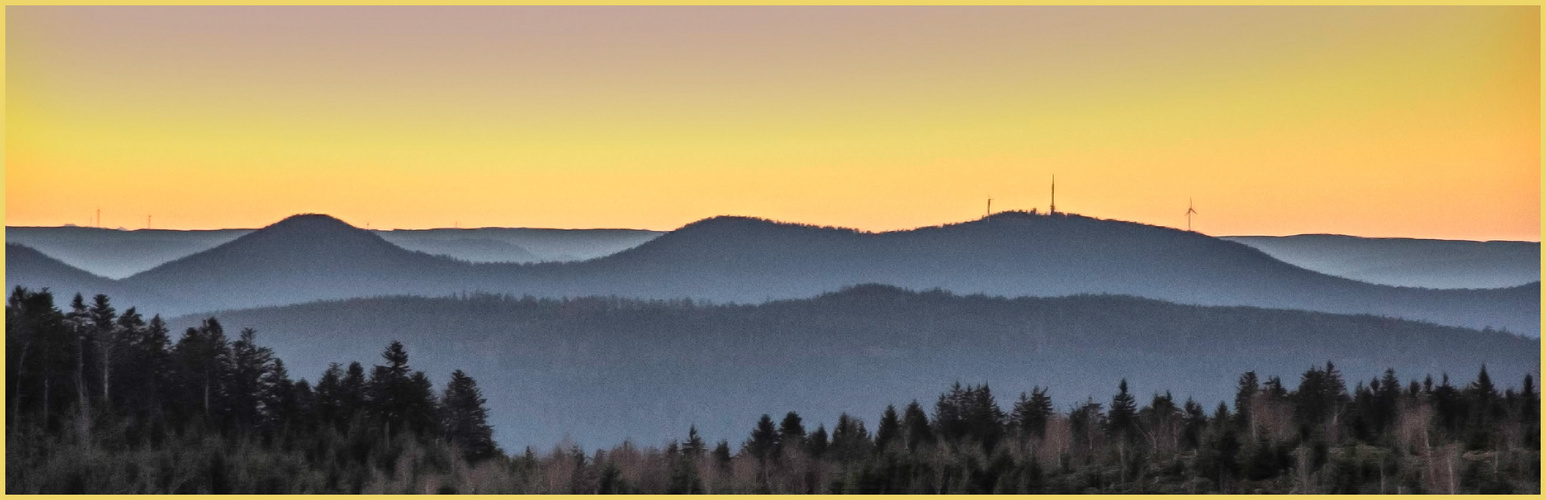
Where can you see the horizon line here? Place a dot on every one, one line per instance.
(1013, 211)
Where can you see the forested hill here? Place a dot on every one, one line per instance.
(305, 257)
(315, 257)
(603, 369)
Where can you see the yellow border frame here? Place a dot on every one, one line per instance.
(681, 2)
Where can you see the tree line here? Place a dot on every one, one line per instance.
(103, 402)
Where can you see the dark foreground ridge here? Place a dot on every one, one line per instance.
(106, 403)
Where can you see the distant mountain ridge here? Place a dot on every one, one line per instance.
(117, 254)
(534, 244)
(27, 266)
(744, 259)
(1408, 261)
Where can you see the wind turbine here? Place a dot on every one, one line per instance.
(1189, 212)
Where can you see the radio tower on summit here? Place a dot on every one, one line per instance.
(1054, 208)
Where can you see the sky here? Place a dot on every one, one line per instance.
(1379, 121)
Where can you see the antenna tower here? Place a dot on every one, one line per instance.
(1054, 208)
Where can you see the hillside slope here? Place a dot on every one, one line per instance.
(603, 369)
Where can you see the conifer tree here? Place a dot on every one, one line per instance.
(330, 398)
(1120, 420)
(203, 365)
(391, 390)
(105, 332)
(694, 446)
(1162, 419)
(791, 433)
(722, 455)
(890, 430)
(1388, 402)
(949, 422)
(1192, 424)
(465, 418)
(422, 414)
(850, 440)
(915, 425)
(984, 420)
(1030, 414)
(78, 320)
(764, 439)
(1482, 400)
(250, 363)
(278, 403)
(353, 392)
(1245, 391)
(1529, 413)
(816, 443)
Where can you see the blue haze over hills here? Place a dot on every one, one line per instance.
(600, 370)
(1385, 261)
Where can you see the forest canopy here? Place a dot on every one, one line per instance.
(103, 401)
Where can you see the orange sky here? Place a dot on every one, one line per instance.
(1409, 121)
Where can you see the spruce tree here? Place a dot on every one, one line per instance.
(422, 415)
(78, 321)
(915, 425)
(791, 433)
(694, 446)
(464, 418)
(890, 430)
(764, 439)
(330, 402)
(393, 394)
(1482, 400)
(353, 392)
(850, 440)
(816, 443)
(722, 455)
(107, 336)
(1193, 422)
(1529, 413)
(250, 363)
(1120, 420)
(1022, 419)
(1245, 391)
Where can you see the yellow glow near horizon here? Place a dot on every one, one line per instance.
(1402, 121)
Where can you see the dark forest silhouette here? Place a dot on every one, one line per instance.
(108, 402)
